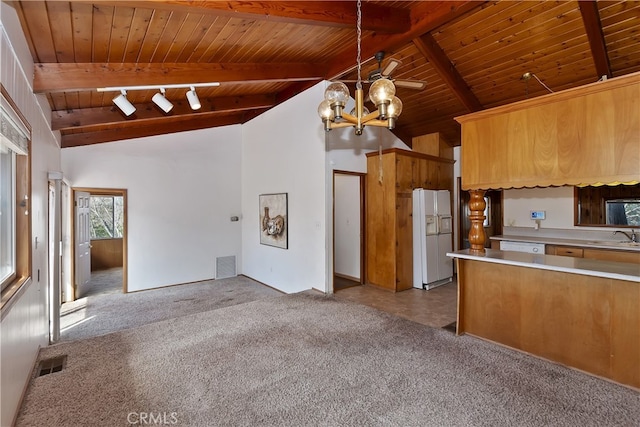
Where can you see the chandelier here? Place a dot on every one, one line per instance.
(382, 93)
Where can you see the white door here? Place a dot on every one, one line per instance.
(445, 264)
(429, 200)
(432, 258)
(444, 202)
(54, 262)
(83, 241)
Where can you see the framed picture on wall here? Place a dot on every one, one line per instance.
(274, 220)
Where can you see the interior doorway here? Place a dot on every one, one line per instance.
(99, 220)
(348, 229)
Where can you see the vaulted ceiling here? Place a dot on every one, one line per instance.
(472, 54)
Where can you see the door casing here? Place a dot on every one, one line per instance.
(101, 192)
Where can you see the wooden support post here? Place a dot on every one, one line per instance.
(476, 234)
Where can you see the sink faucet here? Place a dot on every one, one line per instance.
(632, 237)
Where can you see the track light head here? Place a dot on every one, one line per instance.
(161, 101)
(123, 103)
(192, 97)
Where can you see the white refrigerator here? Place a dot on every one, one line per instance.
(432, 228)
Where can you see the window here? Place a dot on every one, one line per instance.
(7, 214)
(623, 212)
(106, 217)
(15, 224)
(607, 205)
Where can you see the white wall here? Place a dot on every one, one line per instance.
(283, 151)
(556, 201)
(182, 190)
(24, 325)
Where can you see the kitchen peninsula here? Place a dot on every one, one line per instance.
(584, 313)
(578, 312)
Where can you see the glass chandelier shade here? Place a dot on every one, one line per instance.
(395, 107)
(382, 91)
(324, 110)
(337, 94)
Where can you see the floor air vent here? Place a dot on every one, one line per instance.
(50, 366)
(226, 267)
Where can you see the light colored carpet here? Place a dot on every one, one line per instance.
(108, 281)
(311, 360)
(103, 313)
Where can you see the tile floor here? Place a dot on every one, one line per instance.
(435, 307)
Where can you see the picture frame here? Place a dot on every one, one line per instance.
(274, 220)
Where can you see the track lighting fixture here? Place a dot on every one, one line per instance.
(123, 103)
(192, 97)
(161, 101)
(159, 98)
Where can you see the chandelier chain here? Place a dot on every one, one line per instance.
(359, 30)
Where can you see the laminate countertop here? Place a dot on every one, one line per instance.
(594, 243)
(587, 267)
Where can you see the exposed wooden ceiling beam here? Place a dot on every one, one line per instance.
(428, 46)
(593, 27)
(425, 17)
(326, 13)
(151, 128)
(54, 77)
(110, 116)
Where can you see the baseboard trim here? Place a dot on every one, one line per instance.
(25, 387)
(262, 283)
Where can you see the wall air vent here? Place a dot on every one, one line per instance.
(225, 267)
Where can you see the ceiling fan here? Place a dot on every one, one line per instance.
(385, 72)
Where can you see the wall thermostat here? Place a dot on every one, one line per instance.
(537, 215)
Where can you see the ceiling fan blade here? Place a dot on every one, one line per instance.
(411, 84)
(390, 67)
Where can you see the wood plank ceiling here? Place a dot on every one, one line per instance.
(472, 54)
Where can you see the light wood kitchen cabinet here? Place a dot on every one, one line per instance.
(584, 135)
(612, 255)
(594, 253)
(391, 178)
(564, 251)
